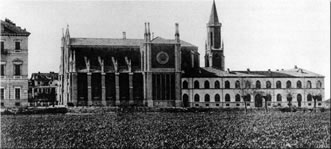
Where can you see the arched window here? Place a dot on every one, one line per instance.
(185, 85)
(319, 84)
(279, 97)
(217, 84)
(207, 84)
(288, 84)
(248, 84)
(237, 98)
(268, 84)
(248, 98)
(227, 84)
(237, 85)
(268, 97)
(196, 84)
(308, 84)
(309, 97)
(299, 85)
(258, 84)
(278, 84)
(299, 98)
(196, 98)
(217, 98)
(207, 98)
(227, 98)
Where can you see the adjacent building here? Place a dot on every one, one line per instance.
(158, 72)
(14, 64)
(43, 89)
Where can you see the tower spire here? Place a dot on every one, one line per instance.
(213, 19)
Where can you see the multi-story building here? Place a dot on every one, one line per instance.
(166, 72)
(43, 89)
(14, 65)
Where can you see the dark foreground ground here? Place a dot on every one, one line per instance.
(168, 130)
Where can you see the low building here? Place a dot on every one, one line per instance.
(43, 89)
(14, 65)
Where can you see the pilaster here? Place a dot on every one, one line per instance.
(89, 89)
(117, 87)
(103, 89)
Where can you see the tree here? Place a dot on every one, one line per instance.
(246, 92)
(289, 97)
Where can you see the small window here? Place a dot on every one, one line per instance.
(319, 84)
(258, 84)
(17, 104)
(237, 84)
(299, 85)
(279, 97)
(309, 104)
(238, 105)
(2, 70)
(278, 84)
(196, 98)
(17, 45)
(17, 93)
(217, 105)
(227, 98)
(217, 84)
(309, 97)
(279, 104)
(2, 46)
(17, 70)
(269, 104)
(227, 104)
(237, 98)
(196, 84)
(248, 105)
(2, 104)
(207, 105)
(197, 105)
(288, 84)
(217, 98)
(2, 93)
(308, 84)
(319, 104)
(206, 84)
(207, 98)
(227, 84)
(268, 84)
(185, 85)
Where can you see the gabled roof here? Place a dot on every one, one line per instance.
(160, 40)
(105, 42)
(213, 19)
(8, 28)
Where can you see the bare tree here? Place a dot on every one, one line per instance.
(289, 97)
(316, 96)
(246, 92)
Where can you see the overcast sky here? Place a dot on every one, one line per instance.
(258, 34)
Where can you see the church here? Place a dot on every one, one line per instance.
(159, 72)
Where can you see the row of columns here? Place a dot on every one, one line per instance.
(103, 89)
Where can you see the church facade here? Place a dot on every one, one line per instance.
(158, 72)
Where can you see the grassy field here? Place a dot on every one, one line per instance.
(168, 130)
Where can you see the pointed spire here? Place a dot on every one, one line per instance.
(177, 32)
(213, 19)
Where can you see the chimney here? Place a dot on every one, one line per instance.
(152, 35)
(269, 70)
(295, 67)
(228, 69)
(248, 70)
(124, 35)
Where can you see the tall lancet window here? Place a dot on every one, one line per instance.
(211, 38)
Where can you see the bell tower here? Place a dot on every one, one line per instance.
(214, 44)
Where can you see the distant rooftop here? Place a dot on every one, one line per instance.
(213, 72)
(9, 28)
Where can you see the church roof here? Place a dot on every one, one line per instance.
(122, 42)
(9, 28)
(213, 72)
(161, 40)
(105, 42)
(213, 19)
